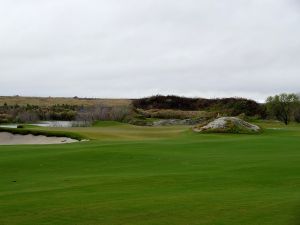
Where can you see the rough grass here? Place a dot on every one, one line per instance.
(48, 101)
(154, 176)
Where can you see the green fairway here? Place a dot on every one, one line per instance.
(128, 175)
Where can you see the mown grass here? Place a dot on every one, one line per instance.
(131, 175)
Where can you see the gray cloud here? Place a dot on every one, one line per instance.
(137, 48)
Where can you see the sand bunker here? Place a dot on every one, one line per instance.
(17, 139)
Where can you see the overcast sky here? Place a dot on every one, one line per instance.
(134, 48)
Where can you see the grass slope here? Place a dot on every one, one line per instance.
(154, 176)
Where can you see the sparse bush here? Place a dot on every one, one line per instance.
(119, 113)
(100, 112)
(139, 122)
(282, 106)
(242, 116)
(6, 118)
(27, 116)
(297, 115)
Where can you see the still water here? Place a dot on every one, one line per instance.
(53, 124)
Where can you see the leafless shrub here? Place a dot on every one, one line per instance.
(27, 117)
(101, 112)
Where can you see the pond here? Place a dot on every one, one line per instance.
(53, 124)
(9, 125)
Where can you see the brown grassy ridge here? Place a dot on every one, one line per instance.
(48, 101)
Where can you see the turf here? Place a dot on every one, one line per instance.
(129, 175)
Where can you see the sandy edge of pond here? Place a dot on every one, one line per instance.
(18, 139)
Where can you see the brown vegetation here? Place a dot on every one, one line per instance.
(173, 114)
(49, 101)
(226, 106)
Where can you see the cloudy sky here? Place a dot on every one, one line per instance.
(134, 48)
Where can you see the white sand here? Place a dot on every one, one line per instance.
(17, 139)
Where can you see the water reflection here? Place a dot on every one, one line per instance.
(64, 124)
(9, 126)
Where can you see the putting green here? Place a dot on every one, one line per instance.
(129, 175)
